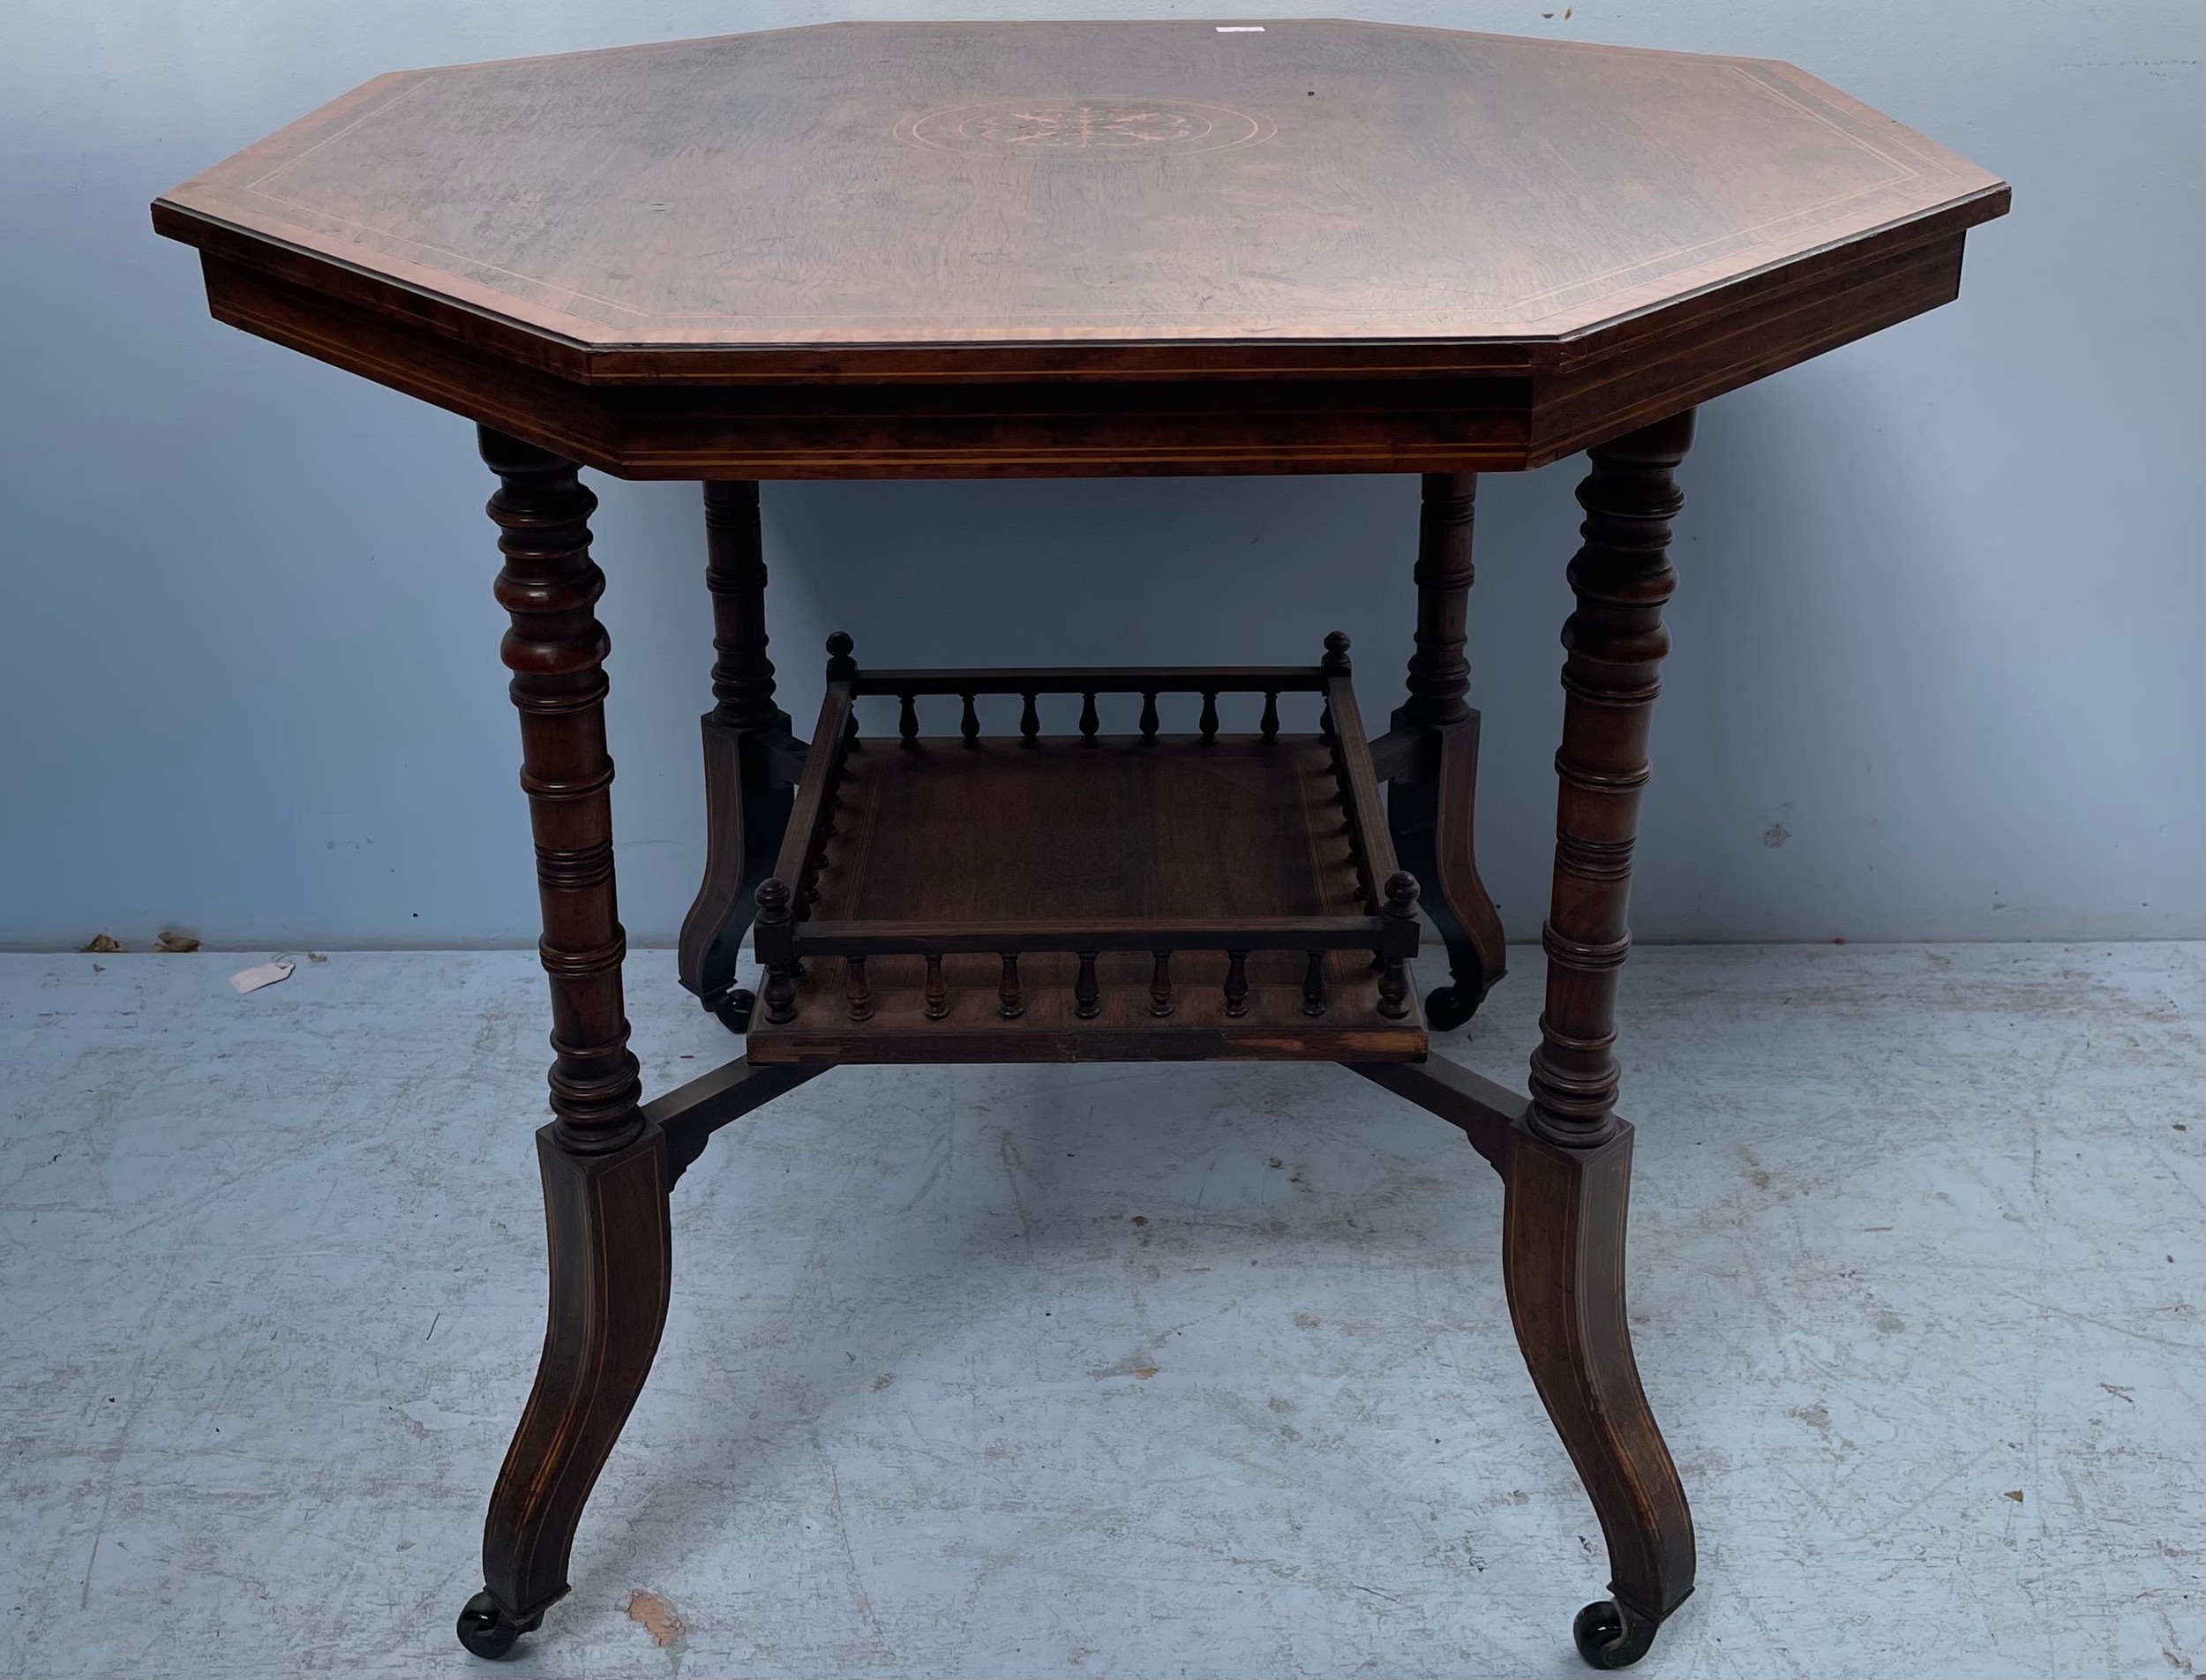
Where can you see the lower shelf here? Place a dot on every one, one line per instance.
(1087, 897)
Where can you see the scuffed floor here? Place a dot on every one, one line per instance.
(1115, 1371)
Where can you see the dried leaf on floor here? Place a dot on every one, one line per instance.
(656, 1618)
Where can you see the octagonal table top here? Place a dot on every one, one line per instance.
(1062, 200)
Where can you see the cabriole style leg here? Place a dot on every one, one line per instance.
(604, 1165)
(1570, 1163)
(1431, 802)
(753, 759)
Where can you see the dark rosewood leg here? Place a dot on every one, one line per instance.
(752, 759)
(1432, 754)
(1569, 1161)
(611, 1270)
(605, 1164)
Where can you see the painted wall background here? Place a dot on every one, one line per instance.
(1939, 637)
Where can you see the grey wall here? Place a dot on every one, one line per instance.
(1939, 624)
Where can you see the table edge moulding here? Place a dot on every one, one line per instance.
(1092, 883)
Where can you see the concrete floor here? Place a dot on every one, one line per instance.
(1119, 1370)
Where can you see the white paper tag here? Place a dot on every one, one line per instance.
(1240, 29)
(252, 979)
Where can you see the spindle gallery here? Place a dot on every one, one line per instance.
(895, 928)
(1350, 259)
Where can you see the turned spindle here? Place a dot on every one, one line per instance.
(1314, 985)
(908, 719)
(1030, 722)
(1336, 664)
(969, 723)
(735, 573)
(750, 756)
(1439, 677)
(1160, 984)
(1010, 1001)
(556, 650)
(1089, 721)
(1270, 727)
(937, 1004)
(1616, 641)
(1430, 806)
(855, 991)
(778, 996)
(1149, 718)
(1209, 721)
(1402, 907)
(1087, 998)
(1237, 984)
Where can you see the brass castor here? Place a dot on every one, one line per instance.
(733, 1008)
(488, 1632)
(1447, 1007)
(1610, 1635)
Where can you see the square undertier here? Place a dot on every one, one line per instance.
(1170, 834)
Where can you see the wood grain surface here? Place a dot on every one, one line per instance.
(869, 186)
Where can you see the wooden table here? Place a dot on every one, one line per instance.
(999, 249)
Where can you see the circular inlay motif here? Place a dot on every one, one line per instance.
(1086, 128)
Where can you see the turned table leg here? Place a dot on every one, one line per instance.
(1431, 754)
(1570, 1162)
(603, 1162)
(753, 759)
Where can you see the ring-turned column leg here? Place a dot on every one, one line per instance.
(753, 759)
(604, 1166)
(1569, 1161)
(1432, 755)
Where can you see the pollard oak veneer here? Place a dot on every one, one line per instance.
(993, 250)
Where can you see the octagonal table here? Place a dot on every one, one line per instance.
(993, 250)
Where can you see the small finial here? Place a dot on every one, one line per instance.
(840, 664)
(773, 897)
(1336, 652)
(1402, 894)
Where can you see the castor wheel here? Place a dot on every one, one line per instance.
(1610, 1635)
(1448, 1006)
(733, 1008)
(487, 1630)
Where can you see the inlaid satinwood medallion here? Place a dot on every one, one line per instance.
(1086, 128)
